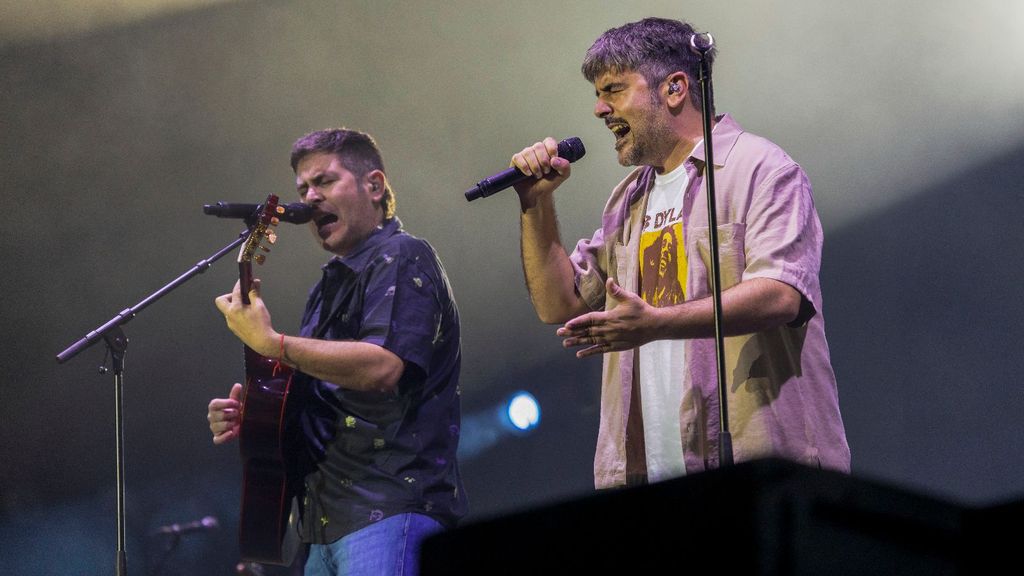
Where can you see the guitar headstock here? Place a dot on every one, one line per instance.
(254, 248)
(262, 231)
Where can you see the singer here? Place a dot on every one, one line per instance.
(373, 411)
(637, 291)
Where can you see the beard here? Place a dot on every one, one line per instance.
(650, 137)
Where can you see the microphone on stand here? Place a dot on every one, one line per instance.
(205, 524)
(701, 44)
(571, 149)
(296, 212)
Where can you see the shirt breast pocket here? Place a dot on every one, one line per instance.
(731, 257)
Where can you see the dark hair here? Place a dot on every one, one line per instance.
(652, 47)
(357, 151)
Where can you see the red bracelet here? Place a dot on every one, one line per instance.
(280, 358)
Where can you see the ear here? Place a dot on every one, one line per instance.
(375, 184)
(676, 89)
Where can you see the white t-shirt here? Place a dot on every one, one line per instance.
(663, 283)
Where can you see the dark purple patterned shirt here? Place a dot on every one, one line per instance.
(364, 456)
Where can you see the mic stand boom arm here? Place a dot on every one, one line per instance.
(128, 313)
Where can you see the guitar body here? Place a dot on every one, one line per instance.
(266, 495)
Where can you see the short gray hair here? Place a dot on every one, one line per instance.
(652, 47)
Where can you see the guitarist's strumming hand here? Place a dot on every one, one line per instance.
(224, 415)
(250, 322)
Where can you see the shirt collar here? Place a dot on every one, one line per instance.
(724, 138)
(359, 257)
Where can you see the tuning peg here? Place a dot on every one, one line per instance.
(272, 237)
(275, 221)
(259, 258)
(264, 248)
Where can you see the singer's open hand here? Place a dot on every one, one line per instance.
(541, 161)
(250, 323)
(628, 325)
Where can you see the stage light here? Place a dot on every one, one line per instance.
(514, 416)
(523, 411)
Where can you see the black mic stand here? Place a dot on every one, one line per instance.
(117, 345)
(724, 437)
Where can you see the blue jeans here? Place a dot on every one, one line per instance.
(390, 547)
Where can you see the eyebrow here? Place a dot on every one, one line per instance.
(609, 87)
(316, 179)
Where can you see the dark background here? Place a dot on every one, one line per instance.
(907, 117)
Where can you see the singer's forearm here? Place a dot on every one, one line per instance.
(753, 305)
(349, 364)
(549, 274)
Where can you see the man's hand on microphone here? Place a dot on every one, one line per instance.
(541, 161)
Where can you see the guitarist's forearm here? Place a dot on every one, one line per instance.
(349, 364)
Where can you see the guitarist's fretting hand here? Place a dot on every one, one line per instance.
(224, 416)
(251, 323)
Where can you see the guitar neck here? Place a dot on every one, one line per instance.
(245, 280)
(245, 284)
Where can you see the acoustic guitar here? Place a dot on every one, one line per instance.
(266, 496)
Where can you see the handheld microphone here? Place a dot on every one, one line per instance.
(571, 149)
(296, 212)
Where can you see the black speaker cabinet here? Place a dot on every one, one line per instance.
(762, 517)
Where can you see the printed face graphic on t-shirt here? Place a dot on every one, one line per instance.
(663, 265)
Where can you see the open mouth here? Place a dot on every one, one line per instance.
(323, 220)
(619, 129)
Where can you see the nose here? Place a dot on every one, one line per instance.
(312, 196)
(601, 108)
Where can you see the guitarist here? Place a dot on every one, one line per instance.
(372, 416)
